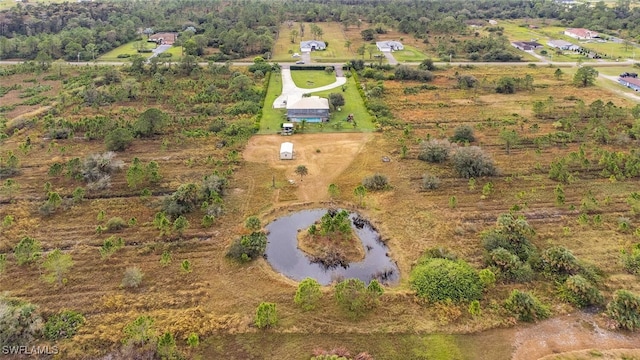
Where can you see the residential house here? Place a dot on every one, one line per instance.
(311, 45)
(526, 45)
(164, 38)
(313, 109)
(581, 34)
(388, 46)
(630, 82)
(493, 22)
(563, 45)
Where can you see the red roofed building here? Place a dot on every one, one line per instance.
(581, 34)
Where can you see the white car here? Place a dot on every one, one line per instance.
(296, 55)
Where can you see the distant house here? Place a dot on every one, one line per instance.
(630, 82)
(388, 46)
(581, 34)
(311, 109)
(164, 38)
(563, 45)
(286, 151)
(493, 22)
(311, 45)
(526, 45)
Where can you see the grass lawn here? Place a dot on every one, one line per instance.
(353, 104)
(409, 54)
(309, 79)
(128, 48)
(272, 118)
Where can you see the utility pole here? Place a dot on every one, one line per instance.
(78, 56)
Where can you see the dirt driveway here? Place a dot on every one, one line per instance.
(326, 155)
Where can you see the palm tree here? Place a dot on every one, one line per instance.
(302, 171)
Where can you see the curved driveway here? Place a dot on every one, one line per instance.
(289, 88)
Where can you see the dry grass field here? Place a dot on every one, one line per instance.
(218, 297)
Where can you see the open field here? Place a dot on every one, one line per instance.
(409, 54)
(129, 48)
(218, 297)
(309, 79)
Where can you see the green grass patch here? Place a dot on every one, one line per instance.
(272, 118)
(176, 53)
(409, 54)
(353, 104)
(130, 48)
(309, 79)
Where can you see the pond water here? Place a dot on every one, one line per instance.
(285, 257)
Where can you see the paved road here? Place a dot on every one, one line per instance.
(390, 58)
(159, 50)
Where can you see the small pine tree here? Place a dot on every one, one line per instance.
(266, 315)
(308, 294)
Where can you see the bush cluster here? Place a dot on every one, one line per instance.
(624, 308)
(248, 247)
(435, 151)
(438, 279)
(376, 182)
(526, 307)
(356, 298)
(472, 162)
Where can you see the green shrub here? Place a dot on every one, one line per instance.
(631, 259)
(166, 346)
(118, 139)
(436, 280)
(375, 182)
(140, 331)
(526, 307)
(487, 278)
(308, 294)
(624, 308)
(63, 325)
(430, 182)
(27, 251)
(266, 315)
(354, 297)
(116, 223)
(559, 260)
(472, 162)
(463, 133)
(132, 277)
(580, 292)
(110, 246)
(435, 151)
(510, 267)
(20, 322)
(248, 247)
(511, 233)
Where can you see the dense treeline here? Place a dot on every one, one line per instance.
(243, 28)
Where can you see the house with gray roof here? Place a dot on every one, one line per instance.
(388, 46)
(311, 45)
(311, 109)
(563, 45)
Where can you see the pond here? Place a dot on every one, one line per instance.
(285, 257)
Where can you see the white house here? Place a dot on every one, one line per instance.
(388, 46)
(581, 34)
(286, 151)
(563, 45)
(311, 45)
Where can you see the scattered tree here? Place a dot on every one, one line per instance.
(27, 251)
(302, 171)
(266, 315)
(63, 325)
(472, 162)
(585, 76)
(57, 264)
(308, 294)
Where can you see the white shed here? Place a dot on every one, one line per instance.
(286, 151)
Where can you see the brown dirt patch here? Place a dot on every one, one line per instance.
(326, 156)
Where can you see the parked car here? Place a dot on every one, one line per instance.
(628, 74)
(299, 62)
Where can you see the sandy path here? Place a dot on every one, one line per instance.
(336, 152)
